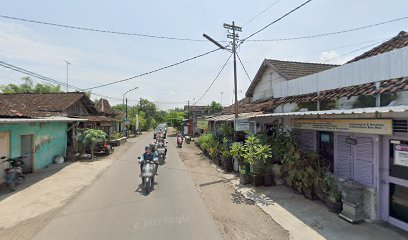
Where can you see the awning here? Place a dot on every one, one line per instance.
(396, 109)
(36, 120)
(231, 117)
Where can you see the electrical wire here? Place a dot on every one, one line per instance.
(47, 79)
(330, 33)
(101, 30)
(260, 13)
(215, 79)
(249, 78)
(277, 20)
(356, 50)
(153, 71)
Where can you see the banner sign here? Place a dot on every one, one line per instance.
(202, 124)
(241, 125)
(369, 126)
(401, 155)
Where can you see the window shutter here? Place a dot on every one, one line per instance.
(363, 161)
(307, 140)
(344, 159)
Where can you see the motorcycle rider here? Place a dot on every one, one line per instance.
(149, 155)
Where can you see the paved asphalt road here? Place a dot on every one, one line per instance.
(115, 208)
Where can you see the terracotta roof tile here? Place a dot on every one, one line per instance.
(41, 105)
(399, 41)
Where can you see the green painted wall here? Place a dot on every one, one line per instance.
(50, 139)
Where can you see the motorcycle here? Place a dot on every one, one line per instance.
(179, 142)
(161, 153)
(14, 173)
(148, 172)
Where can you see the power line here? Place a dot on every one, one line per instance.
(330, 33)
(101, 30)
(356, 50)
(260, 13)
(277, 20)
(47, 79)
(153, 71)
(215, 79)
(249, 78)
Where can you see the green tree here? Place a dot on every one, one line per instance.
(175, 119)
(92, 136)
(29, 87)
(214, 107)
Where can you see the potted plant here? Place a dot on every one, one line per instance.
(256, 154)
(268, 174)
(237, 152)
(226, 155)
(308, 177)
(333, 201)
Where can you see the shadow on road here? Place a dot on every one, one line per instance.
(237, 198)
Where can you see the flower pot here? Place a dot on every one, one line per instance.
(321, 195)
(297, 187)
(268, 180)
(276, 172)
(256, 180)
(309, 193)
(227, 164)
(334, 207)
(244, 179)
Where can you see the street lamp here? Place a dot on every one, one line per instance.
(123, 98)
(123, 102)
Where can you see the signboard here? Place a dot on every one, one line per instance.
(241, 125)
(369, 126)
(401, 155)
(202, 124)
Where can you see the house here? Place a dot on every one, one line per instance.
(193, 114)
(108, 119)
(362, 133)
(41, 126)
(38, 139)
(259, 97)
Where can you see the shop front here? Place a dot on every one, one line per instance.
(352, 148)
(394, 181)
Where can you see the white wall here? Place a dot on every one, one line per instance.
(264, 88)
(384, 66)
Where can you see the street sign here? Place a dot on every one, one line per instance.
(241, 125)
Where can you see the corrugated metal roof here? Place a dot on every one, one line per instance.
(402, 108)
(36, 120)
(230, 117)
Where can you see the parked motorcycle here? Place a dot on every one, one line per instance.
(148, 172)
(14, 173)
(179, 142)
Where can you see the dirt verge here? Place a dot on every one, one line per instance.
(236, 217)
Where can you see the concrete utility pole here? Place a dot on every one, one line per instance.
(221, 97)
(68, 63)
(234, 38)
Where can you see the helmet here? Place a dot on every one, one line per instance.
(147, 147)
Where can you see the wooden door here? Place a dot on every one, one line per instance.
(27, 150)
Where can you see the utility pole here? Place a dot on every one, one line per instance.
(126, 109)
(221, 98)
(234, 38)
(68, 63)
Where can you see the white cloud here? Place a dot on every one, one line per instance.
(332, 57)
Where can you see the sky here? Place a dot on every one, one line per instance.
(99, 58)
